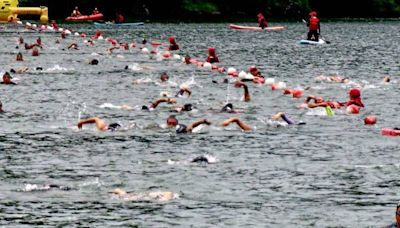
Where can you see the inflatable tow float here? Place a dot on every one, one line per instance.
(9, 11)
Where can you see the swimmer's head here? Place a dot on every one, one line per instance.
(94, 62)
(164, 77)
(386, 79)
(354, 93)
(119, 192)
(172, 121)
(172, 39)
(114, 127)
(253, 68)
(227, 108)
(7, 75)
(144, 107)
(211, 51)
(39, 68)
(313, 14)
(12, 71)
(187, 107)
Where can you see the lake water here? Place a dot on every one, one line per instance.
(333, 171)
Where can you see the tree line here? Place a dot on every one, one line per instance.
(226, 10)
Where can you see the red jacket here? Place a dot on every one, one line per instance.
(313, 23)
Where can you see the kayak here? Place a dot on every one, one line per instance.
(94, 17)
(239, 27)
(320, 41)
(118, 24)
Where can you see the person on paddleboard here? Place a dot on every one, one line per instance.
(262, 23)
(313, 26)
(75, 12)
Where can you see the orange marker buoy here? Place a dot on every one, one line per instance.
(370, 120)
(353, 109)
(297, 93)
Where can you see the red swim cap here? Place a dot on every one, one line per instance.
(172, 39)
(211, 51)
(370, 120)
(252, 68)
(354, 93)
(260, 15)
(353, 109)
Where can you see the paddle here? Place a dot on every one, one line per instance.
(326, 41)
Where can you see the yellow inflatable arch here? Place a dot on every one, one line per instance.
(9, 11)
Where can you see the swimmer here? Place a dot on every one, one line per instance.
(184, 89)
(332, 78)
(164, 77)
(181, 128)
(73, 46)
(386, 79)
(258, 77)
(396, 224)
(246, 95)
(100, 124)
(240, 123)
(7, 79)
(355, 98)
(39, 41)
(21, 40)
(286, 119)
(173, 45)
(35, 51)
(228, 108)
(93, 62)
(320, 102)
(1, 107)
(19, 70)
(30, 46)
(187, 59)
(158, 101)
(19, 57)
(212, 57)
(205, 158)
(145, 196)
(184, 108)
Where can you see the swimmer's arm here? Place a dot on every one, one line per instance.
(241, 124)
(100, 124)
(156, 102)
(197, 123)
(246, 90)
(323, 104)
(309, 98)
(187, 91)
(284, 117)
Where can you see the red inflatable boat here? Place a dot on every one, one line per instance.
(94, 17)
(239, 27)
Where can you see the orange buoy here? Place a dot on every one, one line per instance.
(370, 120)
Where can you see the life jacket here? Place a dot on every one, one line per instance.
(313, 23)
